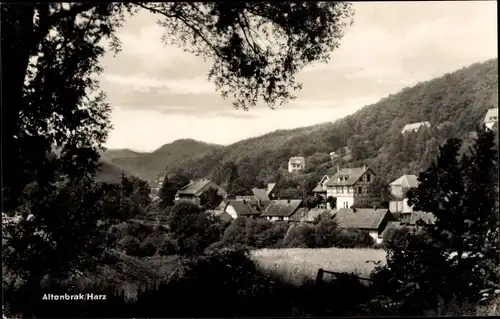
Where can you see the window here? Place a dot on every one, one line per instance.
(280, 218)
(346, 205)
(368, 177)
(359, 190)
(343, 189)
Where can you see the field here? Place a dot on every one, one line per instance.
(298, 264)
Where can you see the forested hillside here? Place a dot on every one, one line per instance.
(454, 104)
(147, 166)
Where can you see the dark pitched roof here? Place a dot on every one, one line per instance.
(282, 208)
(298, 215)
(313, 213)
(247, 208)
(196, 188)
(350, 176)
(225, 217)
(260, 194)
(360, 218)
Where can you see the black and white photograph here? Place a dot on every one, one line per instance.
(244, 159)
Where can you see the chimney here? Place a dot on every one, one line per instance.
(374, 207)
(288, 201)
(338, 168)
(244, 201)
(258, 201)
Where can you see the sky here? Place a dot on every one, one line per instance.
(159, 93)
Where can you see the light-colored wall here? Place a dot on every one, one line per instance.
(274, 218)
(397, 190)
(400, 206)
(375, 236)
(230, 210)
(294, 167)
(350, 194)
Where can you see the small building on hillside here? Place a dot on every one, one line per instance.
(349, 185)
(414, 127)
(374, 221)
(193, 191)
(399, 187)
(282, 209)
(491, 118)
(296, 164)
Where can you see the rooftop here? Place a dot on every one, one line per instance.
(349, 176)
(363, 218)
(406, 181)
(282, 208)
(297, 159)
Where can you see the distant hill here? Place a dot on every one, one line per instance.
(109, 173)
(147, 166)
(453, 104)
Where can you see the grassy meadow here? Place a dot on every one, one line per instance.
(300, 264)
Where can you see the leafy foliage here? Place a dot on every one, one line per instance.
(210, 199)
(254, 233)
(461, 248)
(454, 104)
(193, 228)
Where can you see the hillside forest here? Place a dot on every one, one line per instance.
(454, 104)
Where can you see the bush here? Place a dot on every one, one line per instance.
(254, 233)
(193, 228)
(353, 238)
(224, 283)
(300, 236)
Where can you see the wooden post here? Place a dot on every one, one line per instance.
(319, 276)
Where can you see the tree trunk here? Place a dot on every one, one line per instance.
(17, 35)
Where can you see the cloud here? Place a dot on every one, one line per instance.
(160, 93)
(143, 83)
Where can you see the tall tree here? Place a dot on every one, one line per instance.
(49, 51)
(461, 248)
(50, 54)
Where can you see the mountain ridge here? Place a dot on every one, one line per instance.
(457, 101)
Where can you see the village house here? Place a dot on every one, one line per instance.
(399, 187)
(193, 191)
(296, 164)
(263, 194)
(282, 209)
(491, 118)
(374, 221)
(349, 185)
(414, 127)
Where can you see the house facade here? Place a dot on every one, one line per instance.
(349, 185)
(399, 187)
(414, 127)
(491, 118)
(192, 192)
(296, 164)
(282, 209)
